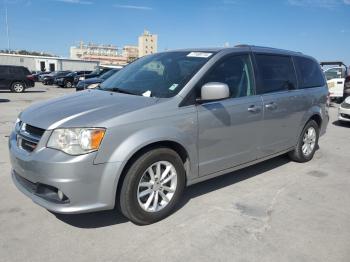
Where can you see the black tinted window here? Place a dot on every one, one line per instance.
(309, 72)
(276, 73)
(236, 72)
(4, 70)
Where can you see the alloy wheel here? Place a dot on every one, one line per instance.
(157, 186)
(309, 141)
(18, 87)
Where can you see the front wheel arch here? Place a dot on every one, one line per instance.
(178, 148)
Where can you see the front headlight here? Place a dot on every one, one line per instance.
(17, 124)
(92, 86)
(76, 141)
(81, 78)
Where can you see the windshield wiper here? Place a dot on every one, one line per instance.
(123, 91)
(117, 90)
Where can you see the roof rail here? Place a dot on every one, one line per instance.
(272, 48)
(242, 45)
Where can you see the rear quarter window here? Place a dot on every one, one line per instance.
(309, 72)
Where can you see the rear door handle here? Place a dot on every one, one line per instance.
(254, 109)
(271, 106)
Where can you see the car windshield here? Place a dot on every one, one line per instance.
(160, 75)
(108, 74)
(72, 74)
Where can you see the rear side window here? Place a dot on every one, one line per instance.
(276, 73)
(4, 70)
(15, 71)
(309, 73)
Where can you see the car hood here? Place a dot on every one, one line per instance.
(87, 108)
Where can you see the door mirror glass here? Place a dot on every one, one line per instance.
(214, 91)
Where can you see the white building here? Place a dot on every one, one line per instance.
(87, 50)
(147, 43)
(46, 63)
(131, 52)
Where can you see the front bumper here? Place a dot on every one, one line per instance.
(344, 114)
(88, 186)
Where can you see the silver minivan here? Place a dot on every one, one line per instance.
(167, 121)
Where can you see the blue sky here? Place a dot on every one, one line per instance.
(320, 28)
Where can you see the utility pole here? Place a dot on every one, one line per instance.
(7, 28)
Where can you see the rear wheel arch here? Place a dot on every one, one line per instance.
(20, 82)
(317, 118)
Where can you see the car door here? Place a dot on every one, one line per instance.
(283, 103)
(229, 130)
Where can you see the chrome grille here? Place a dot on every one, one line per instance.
(28, 136)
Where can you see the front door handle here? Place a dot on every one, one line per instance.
(254, 109)
(271, 106)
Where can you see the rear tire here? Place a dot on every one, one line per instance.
(307, 143)
(17, 87)
(144, 200)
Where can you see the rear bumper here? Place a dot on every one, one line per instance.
(88, 186)
(30, 84)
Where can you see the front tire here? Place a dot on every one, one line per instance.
(17, 87)
(152, 186)
(68, 84)
(307, 144)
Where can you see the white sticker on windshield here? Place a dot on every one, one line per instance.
(173, 87)
(199, 54)
(147, 93)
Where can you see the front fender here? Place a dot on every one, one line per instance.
(122, 143)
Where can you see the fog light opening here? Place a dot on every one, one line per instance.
(60, 195)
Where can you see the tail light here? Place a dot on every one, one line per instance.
(30, 77)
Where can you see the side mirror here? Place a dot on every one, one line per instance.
(214, 91)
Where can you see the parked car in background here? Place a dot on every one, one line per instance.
(15, 78)
(41, 76)
(344, 110)
(166, 121)
(68, 80)
(95, 81)
(50, 78)
(96, 73)
(37, 74)
(338, 79)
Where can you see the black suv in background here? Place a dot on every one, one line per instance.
(99, 71)
(15, 78)
(50, 78)
(94, 82)
(68, 80)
